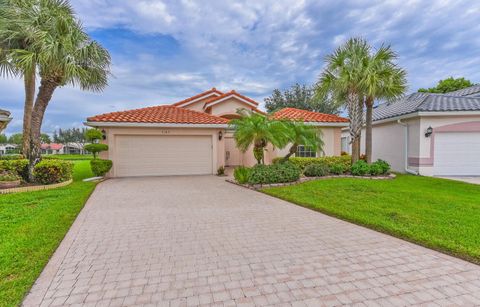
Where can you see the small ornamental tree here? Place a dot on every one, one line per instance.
(94, 136)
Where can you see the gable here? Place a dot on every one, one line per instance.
(229, 106)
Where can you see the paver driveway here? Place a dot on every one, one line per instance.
(200, 240)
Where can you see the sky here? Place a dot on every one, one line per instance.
(164, 51)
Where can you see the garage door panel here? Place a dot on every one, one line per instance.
(457, 154)
(142, 155)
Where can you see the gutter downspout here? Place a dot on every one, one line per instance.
(399, 121)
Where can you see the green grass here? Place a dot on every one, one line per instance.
(437, 213)
(32, 224)
(71, 157)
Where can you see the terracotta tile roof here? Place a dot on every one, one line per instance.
(231, 93)
(52, 146)
(308, 116)
(206, 93)
(159, 114)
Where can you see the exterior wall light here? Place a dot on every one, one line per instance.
(429, 132)
(220, 135)
(104, 134)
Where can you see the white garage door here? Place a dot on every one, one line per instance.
(151, 155)
(457, 154)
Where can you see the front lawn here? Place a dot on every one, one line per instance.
(437, 213)
(32, 224)
(71, 157)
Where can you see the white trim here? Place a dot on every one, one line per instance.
(427, 113)
(210, 104)
(326, 124)
(154, 125)
(196, 99)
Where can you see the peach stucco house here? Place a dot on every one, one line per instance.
(428, 134)
(192, 136)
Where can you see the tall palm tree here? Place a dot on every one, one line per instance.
(257, 130)
(22, 27)
(383, 79)
(342, 78)
(298, 133)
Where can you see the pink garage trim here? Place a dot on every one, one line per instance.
(458, 127)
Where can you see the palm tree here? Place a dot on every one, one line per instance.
(342, 78)
(22, 27)
(383, 79)
(62, 53)
(257, 130)
(298, 133)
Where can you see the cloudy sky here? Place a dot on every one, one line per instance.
(164, 51)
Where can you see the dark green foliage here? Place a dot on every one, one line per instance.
(360, 168)
(71, 135)
(345, 160)
(19, 167)
(100, 166)
(316, 170)
(375, 169)
(3, 139)
(448, 85)
(221, 171)
(338, 169)
(53, 171)
(9, 176)
(300, 97)
(382, 166)
(95, 148)
(275, 173)
(241, 174)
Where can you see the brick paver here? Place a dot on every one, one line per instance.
(188, 241)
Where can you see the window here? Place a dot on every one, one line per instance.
(345, 144)
(305, 152)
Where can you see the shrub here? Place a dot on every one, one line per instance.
(382, 165)
(100, 166)
(19, 167)
(93, 134)
(9, 176)
(53, 171)
(275, 173)
(360, 168)
(329, 161)
(221, 171)
(316, 170)
(95, 148)
(375, 169)
(241, 174)
(338, 169)
(12, 157)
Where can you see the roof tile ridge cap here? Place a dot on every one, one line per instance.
(188, 99)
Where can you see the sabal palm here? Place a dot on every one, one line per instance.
(383, 79)
(342, 78)
(298, 133)
(22, 23)
(257, 130)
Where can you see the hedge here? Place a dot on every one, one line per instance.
(53, 171)
(275, 173)
(19, 167)
(345, 160)
(100, 166)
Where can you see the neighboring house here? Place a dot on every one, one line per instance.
(429, 134)
(192, 136)
(4, 119)
(60, 149)
(6, 149)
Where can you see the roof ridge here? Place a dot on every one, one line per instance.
(212, 90)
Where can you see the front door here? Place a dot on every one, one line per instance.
(232, 154)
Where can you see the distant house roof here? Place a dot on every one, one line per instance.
(51, 146)
(462, 100)
(308, 116)
(164, 114)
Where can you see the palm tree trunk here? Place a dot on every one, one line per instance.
(45, 92)
(291, 152)
(355, 113)
(29, 86)
(368, 129)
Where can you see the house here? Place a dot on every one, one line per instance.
(7, 149)
(192, 136)
(428, 134)
(60, 149)
(4, 119)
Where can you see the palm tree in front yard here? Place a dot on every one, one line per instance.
(257, 130)
(298, 133)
